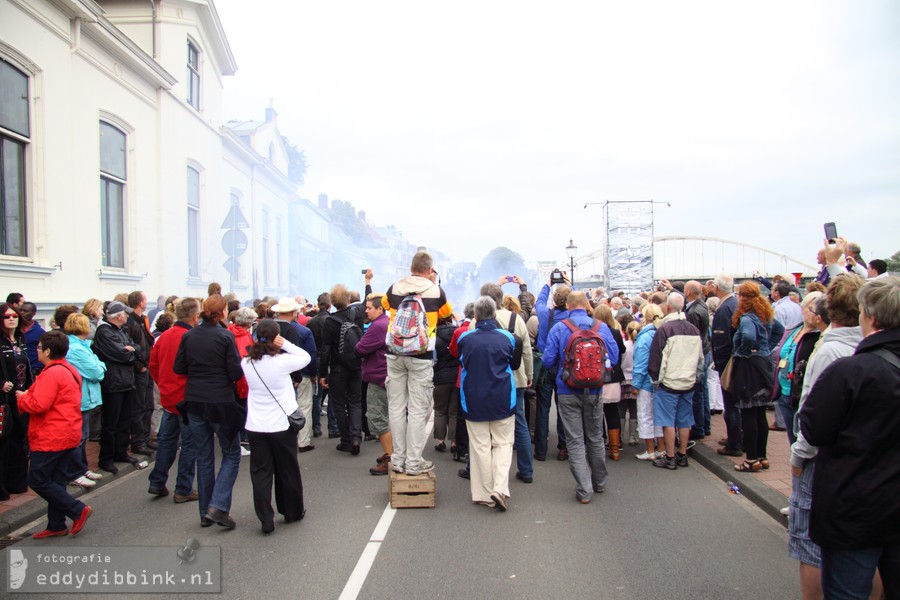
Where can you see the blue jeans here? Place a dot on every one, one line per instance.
(783, 407)
(47, 476)
(78, 465)
(700, 403)
(523, 437)
(544, 388)
(214, 491)
(170, 431)
(847, 574)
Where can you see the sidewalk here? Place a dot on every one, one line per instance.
(770, 489)
(24, 508)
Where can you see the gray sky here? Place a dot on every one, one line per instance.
(471, 125)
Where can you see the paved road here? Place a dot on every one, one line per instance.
(653, 534)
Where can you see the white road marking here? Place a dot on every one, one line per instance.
(367, 558)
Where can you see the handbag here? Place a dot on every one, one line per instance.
(2, 418)
(725, 379)
(296, 420)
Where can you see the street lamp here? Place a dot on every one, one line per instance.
(571, 249)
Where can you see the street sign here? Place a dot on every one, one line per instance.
(234, 242)
(231, 265)
(235, 219)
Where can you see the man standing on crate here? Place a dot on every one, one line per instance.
(415, 304)
(489, 357)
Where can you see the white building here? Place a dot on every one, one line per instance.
(128, 95)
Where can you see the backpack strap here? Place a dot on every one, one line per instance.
(595, 325)
(571, 325)
(511, 326)
(888, 356)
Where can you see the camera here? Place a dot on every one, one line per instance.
(510, 278)
(557, 277)
(364, 271)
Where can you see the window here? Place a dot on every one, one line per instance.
(193, 221)
(112, 194)
(265, 246)
(193, 65)
(278, 259)
(14, 139)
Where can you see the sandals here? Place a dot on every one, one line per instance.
(764, 463)
(749, 467)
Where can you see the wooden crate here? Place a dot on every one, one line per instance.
(412, 491)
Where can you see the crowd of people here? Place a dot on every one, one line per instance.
(647, 368)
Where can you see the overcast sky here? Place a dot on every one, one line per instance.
(471, 125)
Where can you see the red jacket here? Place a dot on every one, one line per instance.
(242, 339)
(162, 357)
(54, 403)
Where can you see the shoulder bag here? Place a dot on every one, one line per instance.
(296, 420)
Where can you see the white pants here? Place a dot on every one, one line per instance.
(409, 388)
(646, 430)
(305, 403)
(490, 456)
(715, 390)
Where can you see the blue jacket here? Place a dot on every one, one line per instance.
(543, 315)
(91, 369)
(558, 338)
(487, 387)
(754, 337)
(640, 376)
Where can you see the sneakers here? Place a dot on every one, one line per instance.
(464, 473)
(646, 456)
(666, 462)
(424, 467)
(182, 498)
(84, 482)
(244, 451)
(78, 524)
(397, 468)
(93, 476)
(681, 459)
(785, 511)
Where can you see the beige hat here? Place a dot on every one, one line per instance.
(286, 305)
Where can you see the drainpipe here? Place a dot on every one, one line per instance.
(154, 10)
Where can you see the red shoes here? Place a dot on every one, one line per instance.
(78, 525)
(48, 533)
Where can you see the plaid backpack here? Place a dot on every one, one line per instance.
(408, 333)
(584, 361)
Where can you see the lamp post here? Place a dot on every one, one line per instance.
(571, 249)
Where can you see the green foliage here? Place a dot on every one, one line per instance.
(296, 162)
(893, 263)
(501, 261)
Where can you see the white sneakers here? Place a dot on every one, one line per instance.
(244, 451)
(93, 476)
(650, 455)
(84, 482)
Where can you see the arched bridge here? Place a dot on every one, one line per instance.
(689, 257)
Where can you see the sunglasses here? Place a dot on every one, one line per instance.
(10, 316)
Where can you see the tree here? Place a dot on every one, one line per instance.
(501, 261)
(893, 263)
(296, 162)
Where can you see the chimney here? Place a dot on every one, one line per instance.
(323, 201)
(362, 216)
(270, 114)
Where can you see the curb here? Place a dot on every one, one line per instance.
(13, 519)
(757, 492)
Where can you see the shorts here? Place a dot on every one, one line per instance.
(673, 409)
(377, 409)
(800, 546)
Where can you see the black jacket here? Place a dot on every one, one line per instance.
(697, 313)
(209, 358)
(139, 335)
(290, 334)
(331, 332)
(852, 414)
(618, 375)
(447, 367)
(109, 345)
(722, 333)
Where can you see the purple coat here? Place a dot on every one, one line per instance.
(371, 348)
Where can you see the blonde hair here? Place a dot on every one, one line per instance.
(632, 330)
(604, 313)
(511, 304)
(90, 307)
(651, 313)
(77, 324)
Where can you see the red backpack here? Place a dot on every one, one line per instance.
(584, 362)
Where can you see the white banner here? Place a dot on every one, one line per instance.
(629, 246)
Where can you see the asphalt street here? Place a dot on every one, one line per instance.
(653, 534)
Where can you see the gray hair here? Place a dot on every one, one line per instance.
(493, 291)
(485, 308)
(244, 316)
(675, 302)
(615, 302)
(880, 299)
(725, 282)
(469, 310)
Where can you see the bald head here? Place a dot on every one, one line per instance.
(577, 300)
(692, 290)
